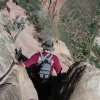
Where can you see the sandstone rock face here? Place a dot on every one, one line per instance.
(27, 89)
(16, 83)
(64, 55)
(89, 86)
(17, 79)
(11, 88)
(15, 10)
(9, 82)
(52, 6)
(51, 12)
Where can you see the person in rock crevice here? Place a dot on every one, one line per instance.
(42, 84)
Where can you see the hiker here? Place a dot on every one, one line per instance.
(40, 68)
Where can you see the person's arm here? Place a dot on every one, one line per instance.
(22, 58)
(30, 61)
(19, 56)
(57, 65)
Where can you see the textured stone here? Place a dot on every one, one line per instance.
(88, 87)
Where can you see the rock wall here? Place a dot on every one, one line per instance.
(11, 88)
(89, 86)
(16, 79)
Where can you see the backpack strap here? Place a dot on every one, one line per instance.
(50, 58)
(43, 57)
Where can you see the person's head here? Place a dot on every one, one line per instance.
(48, 45)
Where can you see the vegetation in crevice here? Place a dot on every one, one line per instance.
(95, 57)
(2, 4)
(48, 25)
(32, 8)
(16, 25)
(44, 23)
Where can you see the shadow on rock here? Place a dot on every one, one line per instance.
(64, 85)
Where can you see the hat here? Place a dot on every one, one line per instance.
(48, 44)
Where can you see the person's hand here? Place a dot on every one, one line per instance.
(18, 54)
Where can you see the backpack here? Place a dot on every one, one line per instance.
(45, 66)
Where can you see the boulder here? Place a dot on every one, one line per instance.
(14, 81)
(88, 88)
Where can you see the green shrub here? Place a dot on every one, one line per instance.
(2, 4)
(92, 27)
(96, 50)
(94, 61)
(16, 25)
(32, 8)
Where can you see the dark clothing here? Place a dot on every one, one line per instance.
(43, 89)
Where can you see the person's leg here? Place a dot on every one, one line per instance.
(47, 87)
(43, 89)
(36, 85)
(53, 91)
(40, 88)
